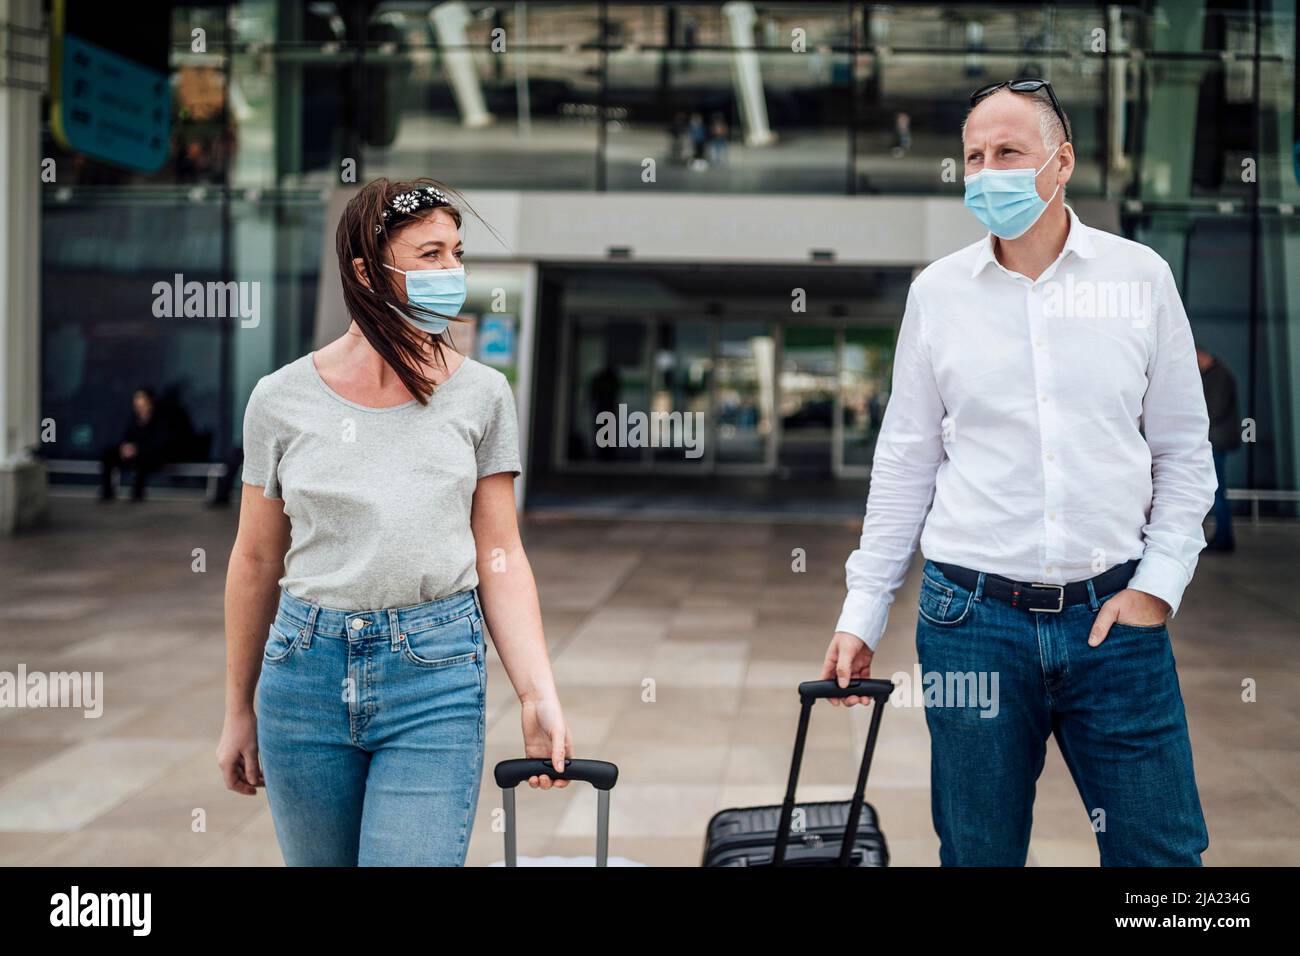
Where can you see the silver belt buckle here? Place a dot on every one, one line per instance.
(1060, 599)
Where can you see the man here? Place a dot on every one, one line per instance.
(1059, 539)
(143, 447)
(1225, 436)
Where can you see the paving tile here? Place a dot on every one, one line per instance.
(85, 781)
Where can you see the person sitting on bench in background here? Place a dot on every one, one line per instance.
(143, 447)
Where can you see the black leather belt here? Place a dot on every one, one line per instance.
(1044, 598)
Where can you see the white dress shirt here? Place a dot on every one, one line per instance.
(1013, 438)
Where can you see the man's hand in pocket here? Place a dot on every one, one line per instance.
(1128, 607)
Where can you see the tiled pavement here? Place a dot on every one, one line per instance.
(712, 613)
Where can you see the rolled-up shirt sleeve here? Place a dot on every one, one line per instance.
(909, 451)
(1177, 428)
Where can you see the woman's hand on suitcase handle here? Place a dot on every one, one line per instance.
(546, 735)
(847, 657)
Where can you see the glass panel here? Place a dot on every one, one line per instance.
(912, 106)
(199, 145)
(111, 322)
(315, 92)
(682, 365)
(276, 245)
(445, 102)
(718, 121)
(1210, 259)
(866, 364)
(808, 388)
(1279, 166)
(1274, 405)
(523, 24)
(607, 370)
(1277, 33)
(1196, 130)
(1196, 26)
(972, 27)
(638, 24)
(252, 105)
(745, 393)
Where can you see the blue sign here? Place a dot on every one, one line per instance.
(496, 340)
(111, 108)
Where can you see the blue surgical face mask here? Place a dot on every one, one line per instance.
(1007, 200)
(437, 290)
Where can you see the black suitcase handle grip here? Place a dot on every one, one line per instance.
(858, 687)
(599, 773)
(810, 692)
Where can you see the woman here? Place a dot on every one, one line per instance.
(377, 531)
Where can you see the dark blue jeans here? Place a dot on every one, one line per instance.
(1115, 710)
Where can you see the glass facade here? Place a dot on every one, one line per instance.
(792, 387)
(1184, 114)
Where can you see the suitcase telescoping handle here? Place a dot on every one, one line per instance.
(809, 693)
(599, 773)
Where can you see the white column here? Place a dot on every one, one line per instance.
(449, 21)
(746, 74)
(22, 476)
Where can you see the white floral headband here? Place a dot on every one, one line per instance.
(404, 204)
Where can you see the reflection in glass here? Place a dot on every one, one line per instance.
(446, 100)
(1276, 457)
(682, 363)
(912, 107)
(745, 393)
(866, 364)
(807, 408)
(607, 369)
(101, 336)
(1196, 129)
(686, 111)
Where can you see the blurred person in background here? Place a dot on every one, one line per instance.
(1225, 437)
(719, 133)
(377, 536)
(698, 134)
(902, 134)
(144, 447)
(1055, 471)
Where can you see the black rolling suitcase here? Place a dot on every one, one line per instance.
(600, 774)
(839, 833)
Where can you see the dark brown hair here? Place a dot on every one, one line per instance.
(402, 345)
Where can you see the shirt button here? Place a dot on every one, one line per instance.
(1043, 398)
(1051, 516)
(1050, 456)
(1051, 570)
(1038, 343)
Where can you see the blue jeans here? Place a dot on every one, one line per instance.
(1115, 710)
(370, 731)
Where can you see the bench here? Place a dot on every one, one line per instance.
(1256, 495)
(211, 471)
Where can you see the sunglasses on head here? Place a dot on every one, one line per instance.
(1029, 87)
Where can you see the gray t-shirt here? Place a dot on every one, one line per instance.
(378, 498)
